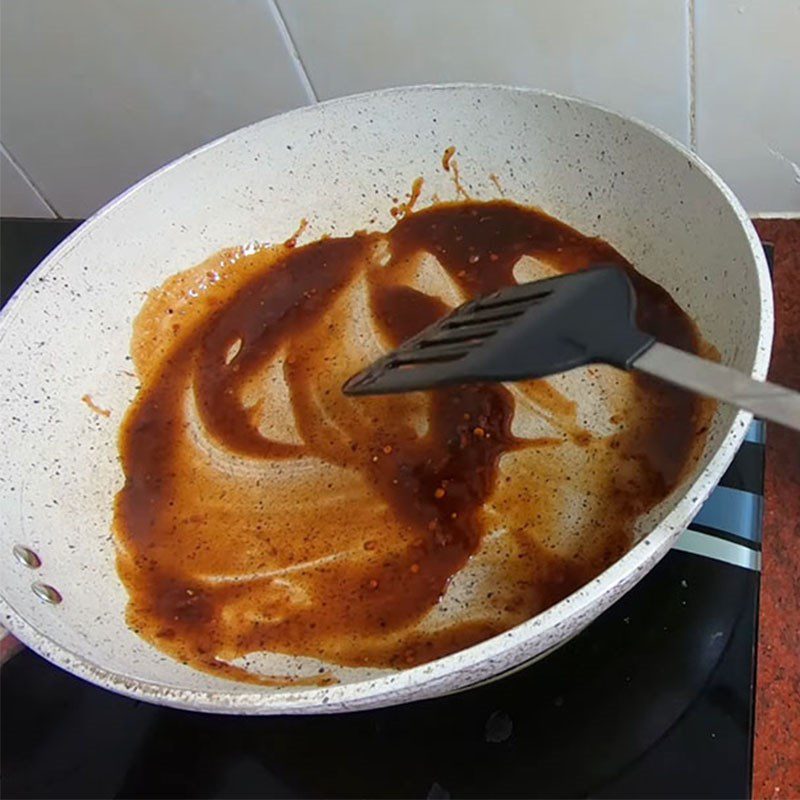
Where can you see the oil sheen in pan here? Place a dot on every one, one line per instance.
(265, 511)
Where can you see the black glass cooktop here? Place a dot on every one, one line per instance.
(654, 699)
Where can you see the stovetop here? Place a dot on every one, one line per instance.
(654, 699)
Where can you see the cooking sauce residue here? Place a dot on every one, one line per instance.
(96, 409)
(265, 511)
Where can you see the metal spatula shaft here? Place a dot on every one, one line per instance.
(764, 399)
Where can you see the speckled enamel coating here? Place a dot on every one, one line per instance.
(66, 333)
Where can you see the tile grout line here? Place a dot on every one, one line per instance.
(29, 181)
(691, 32)
(294, 53)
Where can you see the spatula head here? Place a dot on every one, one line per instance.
(528, 331)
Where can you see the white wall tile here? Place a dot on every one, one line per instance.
(629, 54)
(98, 93)
(17, 197)
(748, 98)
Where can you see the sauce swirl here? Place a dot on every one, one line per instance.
(265, 511)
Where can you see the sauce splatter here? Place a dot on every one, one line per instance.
(301, 229)
(102, 412)
(496, 181)
(451, 165)
(265, 511)
(404, 209)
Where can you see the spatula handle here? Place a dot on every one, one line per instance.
(766, 400)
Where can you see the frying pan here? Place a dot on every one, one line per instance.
(66, 333)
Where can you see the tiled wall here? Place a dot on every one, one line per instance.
(95, 94)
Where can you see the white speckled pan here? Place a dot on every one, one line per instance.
(66, 333)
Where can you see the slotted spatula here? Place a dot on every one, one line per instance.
(545, 327)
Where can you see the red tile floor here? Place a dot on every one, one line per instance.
(777, 743)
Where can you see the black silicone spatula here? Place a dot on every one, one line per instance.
(550, 326)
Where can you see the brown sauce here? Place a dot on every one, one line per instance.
(265, 511)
